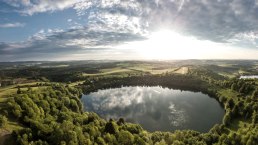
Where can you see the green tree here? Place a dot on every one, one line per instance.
(101, 141)
(125, 138)
(226, 119)
(121, 121)
(234, 86)
(111, 127)
(255, 94)
(231, 103)
(19, 90)
(3, 121)
(254, 117)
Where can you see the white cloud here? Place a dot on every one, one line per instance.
(30, 7)
(12, 25)
(211, 20)
(72, 42)
(252, 36)
(116, 22)
(112, 22)
(83, 5)
(44, 34)
(245, 39)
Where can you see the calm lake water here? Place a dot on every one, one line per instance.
(156, 108)
(249, 77)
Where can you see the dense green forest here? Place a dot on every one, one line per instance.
(54, 113)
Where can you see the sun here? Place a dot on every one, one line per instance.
(163, 45)
(168, 44)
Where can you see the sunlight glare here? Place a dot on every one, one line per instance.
(167, 44)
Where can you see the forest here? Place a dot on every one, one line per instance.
(50, 112)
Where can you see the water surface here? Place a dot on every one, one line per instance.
(156, 108)
(249, 77)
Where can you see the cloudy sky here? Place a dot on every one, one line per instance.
(128, 29)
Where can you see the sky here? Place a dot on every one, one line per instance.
(56, 30)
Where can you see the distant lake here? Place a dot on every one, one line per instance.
(249, 77)
(156, 108)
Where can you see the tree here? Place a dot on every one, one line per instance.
(226, 119)
(19, 90)
(74, 105)
(231, 103)
(139, 141)
(3, 121)
(101, 141)
(255, 94)
(125, 138)
(71, 137)
(121, 121)
(234, 86)
(29, 89)
(111, 127)
(254, 117)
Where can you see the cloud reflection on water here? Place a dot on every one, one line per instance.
(155, 108)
